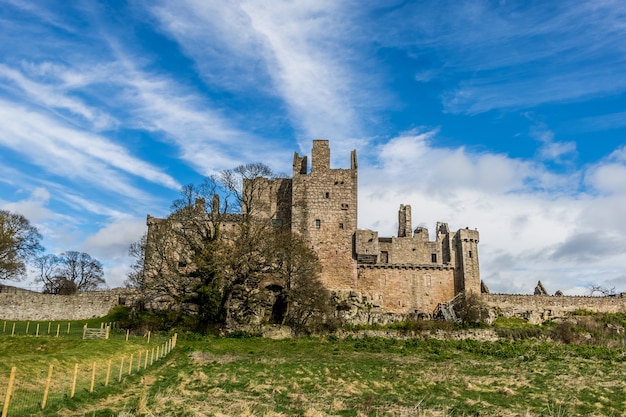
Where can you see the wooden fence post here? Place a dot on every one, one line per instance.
(74, 381)
(145, 365)
(127, 331)
(7, 397)
(49, 323)
(58, 328)
(68, 327)
(45, 391)
(13, 329)
(27, 326)
(152, 357)
(37, 332)
(148, 336)
(108, 331)
(130, 364)
(121, 370)
(106, 380)
(93, 376)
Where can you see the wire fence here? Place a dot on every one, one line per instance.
(69, 329)
(27, 392)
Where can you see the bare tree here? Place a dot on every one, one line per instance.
(136, 278)
(599, 289)
(247, 184)
(69, 272)
(48, 268)
(212, 249)
(83, 270)
(19, 242)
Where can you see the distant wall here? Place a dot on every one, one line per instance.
(25, 305)
(538, 308)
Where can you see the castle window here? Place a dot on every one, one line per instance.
(433, 258)
(470, 254)
(344, 206)
(182, 264)
(341, 225)
(327, 195)
(318, 223)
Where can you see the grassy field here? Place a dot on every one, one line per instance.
(374, 377)
(37, 358)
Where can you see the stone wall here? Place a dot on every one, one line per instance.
(324, 213)
(406, 289)
(50, 307)
(538, 308)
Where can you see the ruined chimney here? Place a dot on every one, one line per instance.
(404, 221)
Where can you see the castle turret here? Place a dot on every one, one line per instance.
(324, 212)
(467, 259)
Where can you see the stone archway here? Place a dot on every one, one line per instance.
(279, 307)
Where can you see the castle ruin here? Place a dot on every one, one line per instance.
(402, 276)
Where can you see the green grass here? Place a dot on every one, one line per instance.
(32, 357)
(377, 377)
(525, 373)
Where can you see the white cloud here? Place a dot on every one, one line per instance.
(114, 238)
(532, 226)
(34, 207)
(608, 178)
(71, 153)
(55, 97)
(110, 245)
(297, 47)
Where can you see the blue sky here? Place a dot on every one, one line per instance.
(505, 116)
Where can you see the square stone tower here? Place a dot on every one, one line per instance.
(324, 212)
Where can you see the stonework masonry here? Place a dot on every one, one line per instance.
(27, 305)
(403, 275)
(539, 308)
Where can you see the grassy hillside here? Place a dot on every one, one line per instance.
(376, 377)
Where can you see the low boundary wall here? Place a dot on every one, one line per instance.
(26, 305)
(538, 308)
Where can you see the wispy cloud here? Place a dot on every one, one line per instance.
(70, 153)
(305, 60)
(54, 97)
(511, 55)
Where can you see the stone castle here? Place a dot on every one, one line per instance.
(403, 275)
